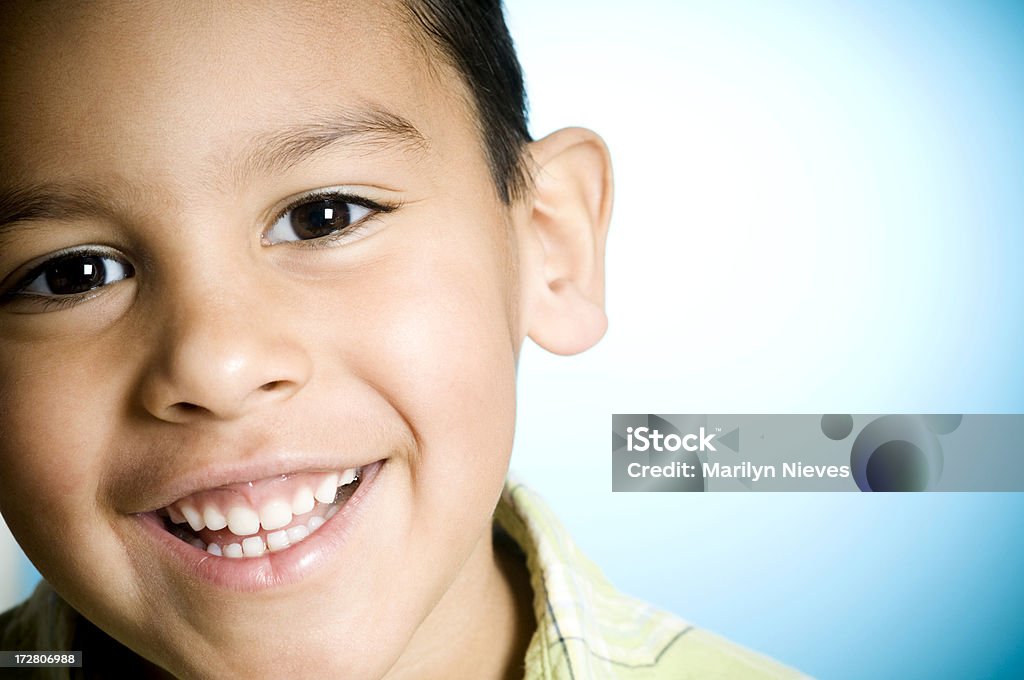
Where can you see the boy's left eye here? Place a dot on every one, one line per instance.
(319, 217)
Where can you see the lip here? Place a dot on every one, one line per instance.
(240, 473)
(273, 569)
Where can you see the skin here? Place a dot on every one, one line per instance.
(398, 342)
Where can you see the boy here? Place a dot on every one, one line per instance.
(265, 272)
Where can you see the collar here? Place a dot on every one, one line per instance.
(585, 628)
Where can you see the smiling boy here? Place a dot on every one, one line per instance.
(265, 273)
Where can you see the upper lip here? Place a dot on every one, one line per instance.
(224, 473)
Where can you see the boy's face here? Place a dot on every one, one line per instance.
(217, 342)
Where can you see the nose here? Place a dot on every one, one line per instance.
(219, 356)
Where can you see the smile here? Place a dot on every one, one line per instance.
(265, 533)
(250, 519)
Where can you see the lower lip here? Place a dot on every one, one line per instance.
(274, 569)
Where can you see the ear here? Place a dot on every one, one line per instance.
(563, 233)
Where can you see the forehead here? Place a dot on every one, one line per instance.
(156, 85)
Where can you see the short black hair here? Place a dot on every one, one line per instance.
(473, 37)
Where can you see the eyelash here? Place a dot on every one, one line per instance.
(55, 304)
(58, 302)
(378, 208)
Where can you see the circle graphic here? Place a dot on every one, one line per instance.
(943, 424)
(896, 453)
(898, 465)
(837, 426)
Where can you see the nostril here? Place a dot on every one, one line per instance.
(186, 406)
(272, 385)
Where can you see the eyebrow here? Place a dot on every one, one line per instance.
(23, 205)
(265, 154)
(372, 129)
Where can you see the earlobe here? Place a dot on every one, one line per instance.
(569, 322)
(566, 228)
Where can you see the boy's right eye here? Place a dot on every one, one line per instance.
(70, 276)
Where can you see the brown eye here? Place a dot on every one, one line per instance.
(76, 273)
(317, 218)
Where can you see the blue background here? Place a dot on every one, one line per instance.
(819, 209)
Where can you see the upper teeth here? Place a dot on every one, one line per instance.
(242, 521)
(303, 501)
(220, 508)
(214, 518)
(328, 488)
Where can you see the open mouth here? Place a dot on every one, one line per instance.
(270, 515)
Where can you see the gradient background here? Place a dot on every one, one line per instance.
(820, 208)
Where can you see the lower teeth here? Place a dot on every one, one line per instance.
(255, 546)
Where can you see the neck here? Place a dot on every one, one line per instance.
(482, 626)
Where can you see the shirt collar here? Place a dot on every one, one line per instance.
(585, 628)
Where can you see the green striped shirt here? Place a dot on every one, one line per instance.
(587, 630)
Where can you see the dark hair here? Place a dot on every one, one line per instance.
(473, 37)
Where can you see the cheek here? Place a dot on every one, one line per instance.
(434, 339)
(55, 415)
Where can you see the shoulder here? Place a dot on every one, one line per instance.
(701, 654)
(624, 638)
(588, 629)
(42, 622)
(20, 626)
